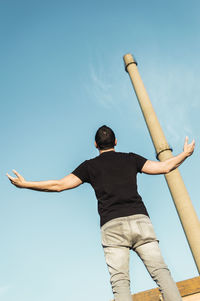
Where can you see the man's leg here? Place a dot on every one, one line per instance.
(153, 260)
(117, 250)
(117, 259)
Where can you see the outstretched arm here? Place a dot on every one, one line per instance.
(155, 168)
(68, 182)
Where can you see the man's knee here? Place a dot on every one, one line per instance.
(121, 289)
(159, 272)
(120, 280)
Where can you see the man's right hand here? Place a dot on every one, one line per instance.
(19, 181)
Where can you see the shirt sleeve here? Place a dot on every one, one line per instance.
(139, 160)
(82, 172)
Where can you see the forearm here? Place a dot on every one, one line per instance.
(163, 167)
(49, 186)
(174, 162)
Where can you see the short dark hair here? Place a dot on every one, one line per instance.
(105, 138)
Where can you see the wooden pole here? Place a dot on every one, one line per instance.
(180, 196)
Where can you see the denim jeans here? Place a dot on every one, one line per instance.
(135, 232)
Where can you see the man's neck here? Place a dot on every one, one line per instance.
(101, 151)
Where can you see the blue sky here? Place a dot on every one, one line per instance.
(62, 76)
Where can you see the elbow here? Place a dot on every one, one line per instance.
(166, 169)
(58, 187)
(169, 169)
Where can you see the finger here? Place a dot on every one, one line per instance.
(11, 178)
(186, 140)
(16, 173)
(192, 143)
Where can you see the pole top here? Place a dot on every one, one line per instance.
(128, 60)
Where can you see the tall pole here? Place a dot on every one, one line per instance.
(183, 204)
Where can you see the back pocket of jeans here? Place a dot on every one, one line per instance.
(113, 235)
(146, 230)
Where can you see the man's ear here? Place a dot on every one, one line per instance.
(95, 144)
(115, 141)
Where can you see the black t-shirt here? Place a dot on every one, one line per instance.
(113, 177)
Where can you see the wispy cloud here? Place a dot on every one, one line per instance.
(175, 96)
(105, 83)
(101, 87)
(4, 289)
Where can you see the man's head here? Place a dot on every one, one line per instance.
(105, 138)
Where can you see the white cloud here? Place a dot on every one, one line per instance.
(106, 83)
(4, 289)
(175, 96)
(100, 87)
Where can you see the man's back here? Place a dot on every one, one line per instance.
(113, 177)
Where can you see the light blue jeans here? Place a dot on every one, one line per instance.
(135, 232)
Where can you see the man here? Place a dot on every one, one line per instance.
(125, 223)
